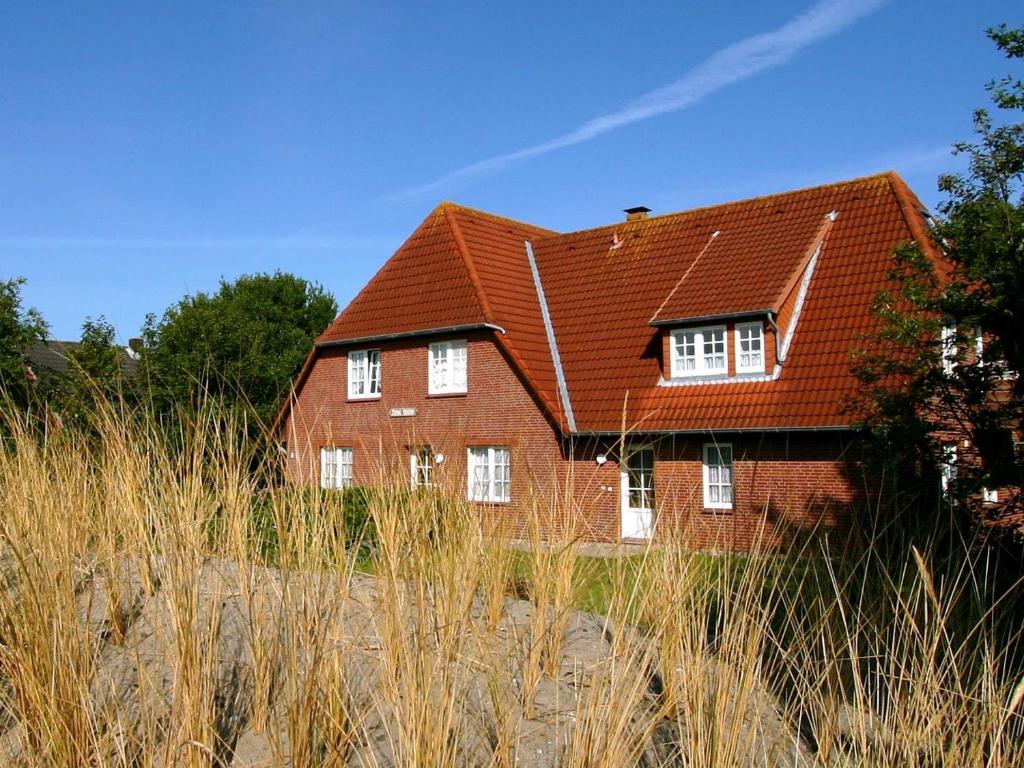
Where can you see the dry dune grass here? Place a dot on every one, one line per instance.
(146, 620)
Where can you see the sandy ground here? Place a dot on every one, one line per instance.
(349, 697)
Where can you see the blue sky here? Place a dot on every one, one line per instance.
(149, 149)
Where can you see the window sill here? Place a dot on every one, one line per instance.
(702, 375)
(447, 394)
(717, 510)
(480, 502)
(363, 398)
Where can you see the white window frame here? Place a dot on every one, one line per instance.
(336, 467)
(989, 495)
(710, 482)
(484, 464)
(947, 472)
(700, 367)
(629, 473)
(758, 338)
(421, 466)
(979, 346)
(454, 378)
(363, 384)
(948, 340)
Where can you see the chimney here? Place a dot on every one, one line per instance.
(639, 212)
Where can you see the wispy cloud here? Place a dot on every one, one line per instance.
(327, 242)
(738, 61)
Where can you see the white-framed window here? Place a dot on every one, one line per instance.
(421, 463)
(489, 474)
(947, 471)
(718, 476)
(949, 345)
(447, 367)
(979, 346)
(335, 467)
(364, 374)
(699, 352)
(750, 347)
(989, 495)
(639, 471)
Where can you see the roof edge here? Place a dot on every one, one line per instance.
(715, 430)
(410, 334)
(710, 318)
(467, 260)
(293, 392)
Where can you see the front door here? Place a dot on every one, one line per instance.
(637, 478)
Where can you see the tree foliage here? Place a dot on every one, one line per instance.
(242, 345)
(19, 329)
(95, 374)
(925, 389)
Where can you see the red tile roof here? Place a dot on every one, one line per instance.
(605, 286)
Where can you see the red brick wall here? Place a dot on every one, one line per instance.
(497, 410)
(789, 485)
(786, 487)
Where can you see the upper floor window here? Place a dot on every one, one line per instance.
(699, 352)
(364, 374)
(489, 474)
(447, 367)
(750, 347)
(335, 467)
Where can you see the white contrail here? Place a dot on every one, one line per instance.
(736, 62)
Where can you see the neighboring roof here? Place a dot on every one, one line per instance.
(52, 355)
(605, 286)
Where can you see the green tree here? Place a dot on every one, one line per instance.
(19, 329)
(242, 345)
(94, 374)
(926, 387)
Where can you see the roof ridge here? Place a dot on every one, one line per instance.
(467, 260)
(909, 205)
(883, 175)
(817, 243)
(449, 204)
(711, 238)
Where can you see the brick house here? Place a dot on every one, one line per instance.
(686, 371)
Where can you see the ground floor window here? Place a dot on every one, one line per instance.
(947, 472)
(489, 474)
(421, 462)
(335, 467)
(640, 479)
(718, 476)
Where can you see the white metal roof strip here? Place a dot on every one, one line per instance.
(563, 388)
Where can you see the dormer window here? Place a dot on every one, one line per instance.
(750, 347)
(364, 374)
(447, 368)
(699, 352)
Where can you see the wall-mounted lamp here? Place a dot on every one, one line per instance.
(601, 459)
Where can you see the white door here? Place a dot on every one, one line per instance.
(637, 478)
